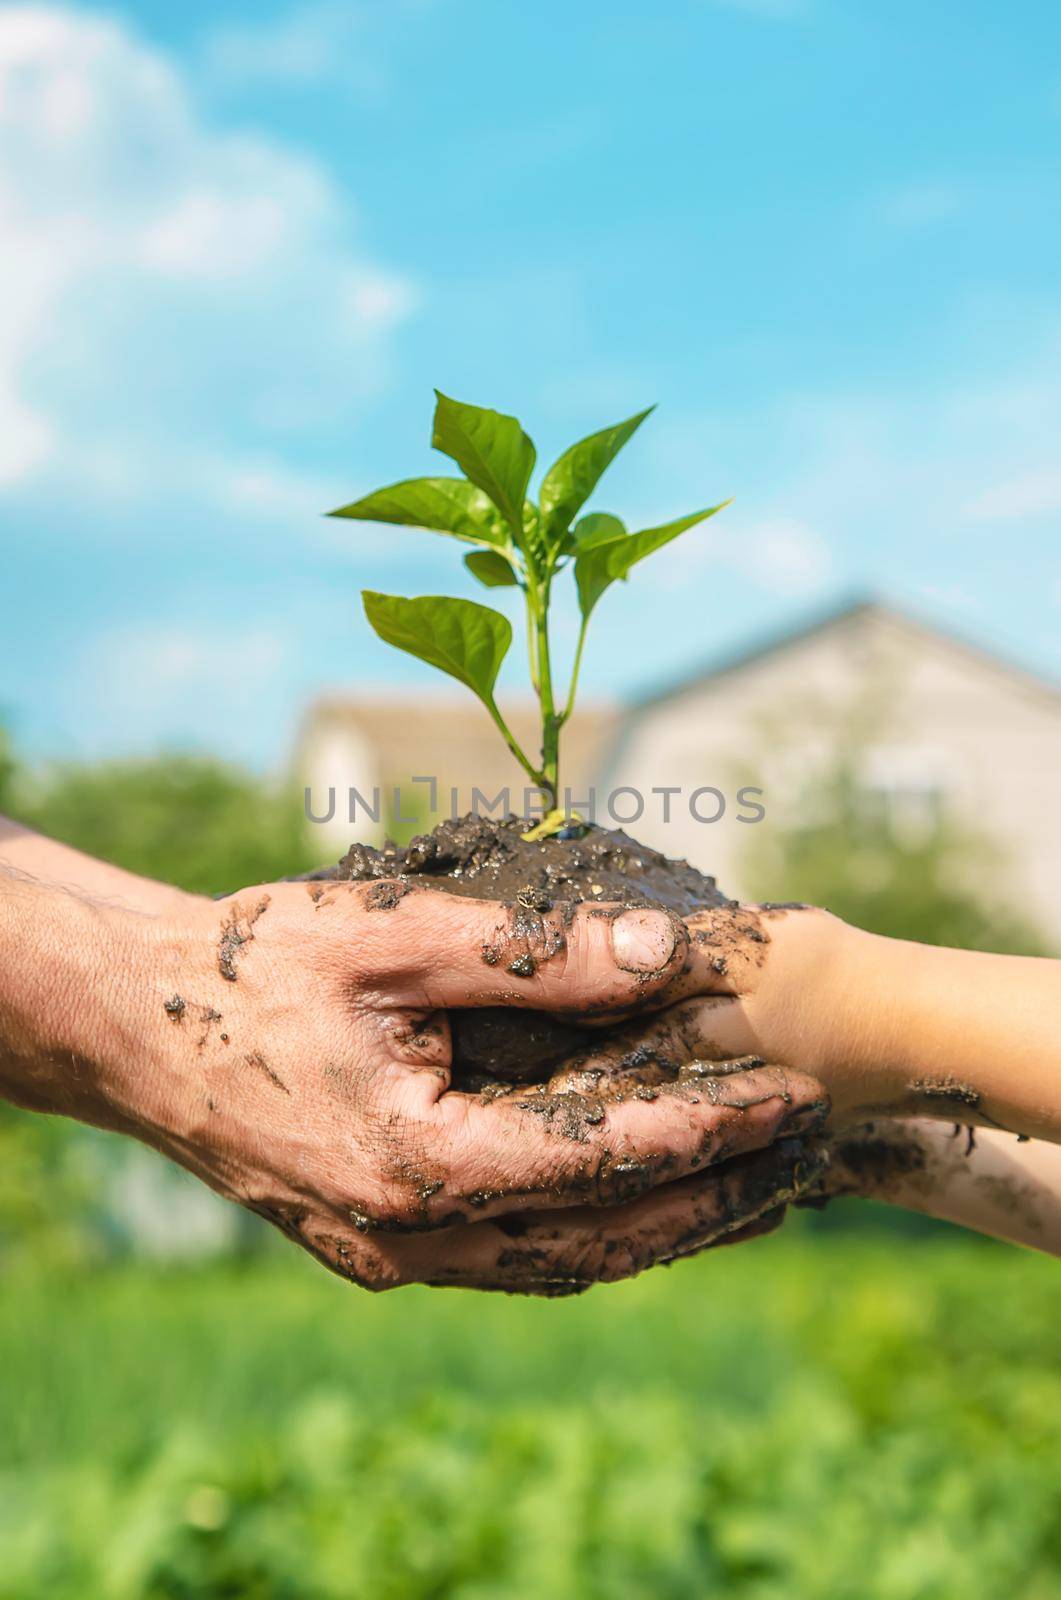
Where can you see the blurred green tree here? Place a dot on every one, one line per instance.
(202, 824)
(7, 770)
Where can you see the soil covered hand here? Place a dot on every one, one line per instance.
(291, 1046)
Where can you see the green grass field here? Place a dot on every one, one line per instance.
(814, 1415)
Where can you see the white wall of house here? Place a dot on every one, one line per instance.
(948, 726)
(341, 757)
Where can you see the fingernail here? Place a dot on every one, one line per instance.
(643, 941)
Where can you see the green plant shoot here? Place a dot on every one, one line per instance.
(519, 543)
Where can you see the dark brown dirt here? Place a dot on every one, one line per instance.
(479, 857)
(489, 860)
(237, 931)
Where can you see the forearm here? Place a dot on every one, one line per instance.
(51, 862)
(953, 1034)
(994, 1185)
(72, 1018)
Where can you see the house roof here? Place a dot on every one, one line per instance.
(451, 736)
(842, 614)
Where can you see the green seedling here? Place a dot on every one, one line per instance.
(519, 543)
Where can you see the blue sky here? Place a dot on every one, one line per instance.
(239, 244)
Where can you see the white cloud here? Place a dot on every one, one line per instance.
(1032, 494)
(264, 487)
(202, 686)
(786, 555)
(167, 283)
(303, 47)
(378, 300)
(779, 554)
(333, 41)
(25, 437)
(208, 234)
(918, 205)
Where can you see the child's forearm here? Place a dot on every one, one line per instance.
(993, 1184)
(891, 1028)
(948, 1034)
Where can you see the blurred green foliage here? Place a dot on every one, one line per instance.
(7, 772)
(202, 824)
(778, 1422)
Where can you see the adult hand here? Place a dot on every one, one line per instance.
(291, 1047)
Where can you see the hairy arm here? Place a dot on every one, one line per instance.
(35, 856)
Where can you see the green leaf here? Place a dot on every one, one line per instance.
(572, 479)
(491, 568)
(444, 505)
(466, 640)
(599, 568)
(530, 539)
(598, 528)
(491, 449)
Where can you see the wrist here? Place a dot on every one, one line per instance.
(867, 1043)
(903, 1040)
(894, 1028)
(830, 1005)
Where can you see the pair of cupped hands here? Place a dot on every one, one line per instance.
(293, 1049)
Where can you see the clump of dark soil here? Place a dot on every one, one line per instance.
(490, 860)
(487, 859)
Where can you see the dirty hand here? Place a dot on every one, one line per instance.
(291, 1046)
(890, 1027)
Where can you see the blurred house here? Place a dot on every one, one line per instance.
(939, 726)
(376, 745)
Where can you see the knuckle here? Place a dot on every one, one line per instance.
(364, 1261)
(288, 1219)
(414, 1212)
(421, 1198)
(607, 1258)
(583, 1261)
(624, 1258)
(382, 894)
(376, 1267)
(619, 1177)
(396, 1213)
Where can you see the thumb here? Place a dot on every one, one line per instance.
(446, 950)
